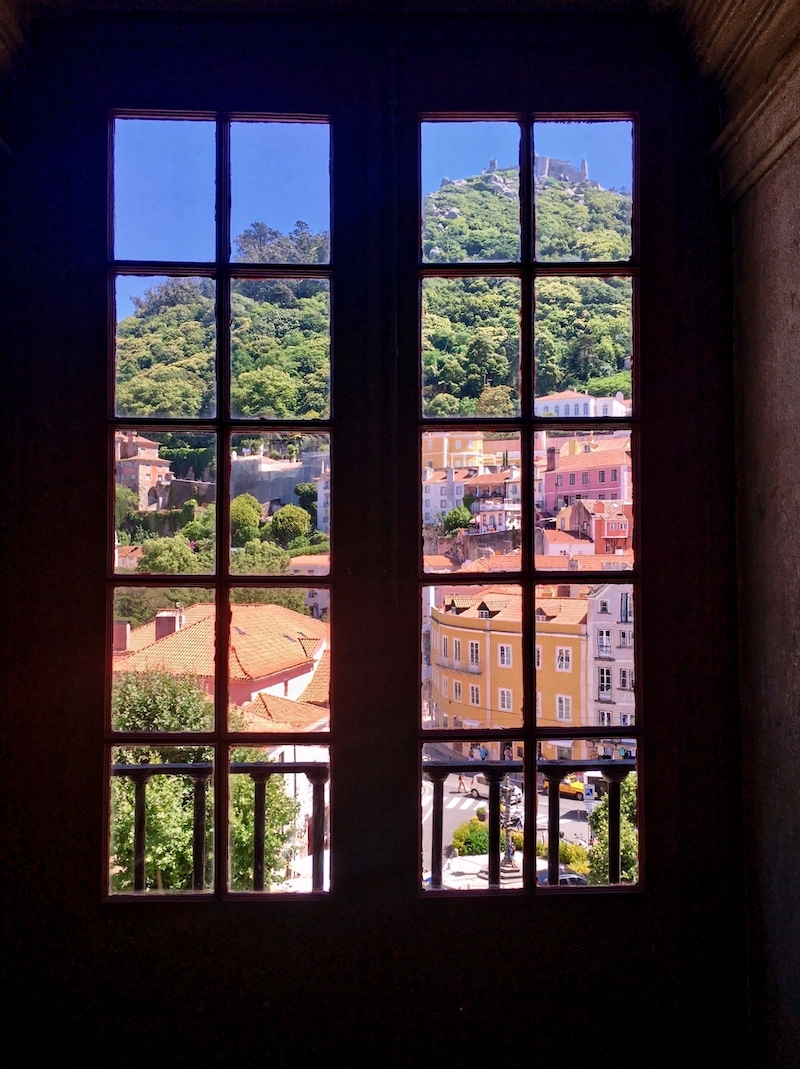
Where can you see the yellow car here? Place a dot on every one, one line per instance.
(570, 787)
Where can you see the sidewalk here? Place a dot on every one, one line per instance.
(471, 872)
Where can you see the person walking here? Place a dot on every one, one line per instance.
(462, 787)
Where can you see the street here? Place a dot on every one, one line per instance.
(459, 808)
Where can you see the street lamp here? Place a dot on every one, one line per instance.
(506, 790)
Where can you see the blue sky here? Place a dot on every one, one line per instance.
(165, 189)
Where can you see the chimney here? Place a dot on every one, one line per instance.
(122, 635)
(168, 621)
(551, 458)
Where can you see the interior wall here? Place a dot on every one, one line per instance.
(767, 242)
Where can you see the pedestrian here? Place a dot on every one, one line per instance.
(471, 754)
(484, 752)
(462, 787)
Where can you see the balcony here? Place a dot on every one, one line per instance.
(200, 773)
(500, 871)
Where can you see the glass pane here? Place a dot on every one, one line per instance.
(465, 822)
(582, 785)
(163, 659)
(280, 348)
(585, 633)
(165, 513)
(583, 176)
(162, 819)
(279, 818)
(280, 192)
(583, 344)
(279, 660)
(583, 493)
(164, 187)
(472, 662)
(471, 501)
(278, 483)
(470, 347)
(470, 192)
(165, 346)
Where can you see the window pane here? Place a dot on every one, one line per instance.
(472, 661)
(279, 818)
(165, 348)
(277, 481)
(583, 492)
(164, 189)
(279, 659)
(165, 514)
(583, 339)
(470, 191)
(471, 501)
(280, 192)
(280, 348)
(470, 346)
(578, 780)
(582, 190)
(161, 819)
(465, 824)
(162, 658)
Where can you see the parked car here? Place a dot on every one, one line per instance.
(570, 787)
(567, 877)
(478, 787)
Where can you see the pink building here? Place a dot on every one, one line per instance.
(583, 469)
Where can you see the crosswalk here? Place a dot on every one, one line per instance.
(457, 802)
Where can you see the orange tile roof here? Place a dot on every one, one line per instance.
(321, 561)
(604, 457)
(269, 712)
(585, 562)
(318, 690)
(265, 639)
(564, 536)
(438, 560)
(495, 562)
(562, 610)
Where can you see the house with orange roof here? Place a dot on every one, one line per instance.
(572, 403)
(443, 490)
(273, 649)
(138, 467)
(497, 505)
(595, 467)
(452, 449)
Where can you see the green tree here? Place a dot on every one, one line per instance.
(288, 523)
(306, 494)
(629, 840)
(174, 554)
(125, 504)
(245, 519)
(497, 401)
(259, 558)
(457, 519)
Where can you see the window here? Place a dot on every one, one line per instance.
(538, 657)
(474, 695)
(604, 642)
(457, 650)
(625, 639)
(456, 690)
(504, 655)
(505, 700)
(444, 686)
(559, 480)
(614, 475)
(563, 707)
(585, 478)
(626, 679)
(572, 478)
(604, 684)
(604, 718)
(604, 607)
(474, 655)
(601, 476)
(625, 608)
(445, 646)
(563, 659)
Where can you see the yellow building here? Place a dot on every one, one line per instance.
(452, 449)
(561, 652)
(476, 654)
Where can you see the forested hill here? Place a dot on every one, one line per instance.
(280, 328)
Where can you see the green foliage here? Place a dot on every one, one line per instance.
(456, 520)
(289, 523)
(160, 555)
(472, 838)
(629, 839)
(245, 519)
(125, 504)
(613, 384)
(306, 494)
(159, 701)
(259, 558)
(572, 854)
